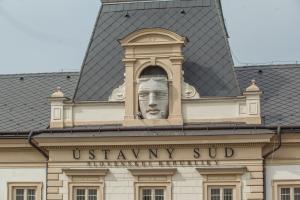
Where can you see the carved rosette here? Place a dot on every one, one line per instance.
(118, 94)
(187, 92)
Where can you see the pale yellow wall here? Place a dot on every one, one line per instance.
(249, 149)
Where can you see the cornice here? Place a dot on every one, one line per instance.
(153, 171)
(237, 170)
(85, 172)
(234, 140)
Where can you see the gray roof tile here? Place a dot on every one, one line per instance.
(281, 95)
(23, 99)
(208, 65)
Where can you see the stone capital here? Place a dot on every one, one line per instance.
(129, 61)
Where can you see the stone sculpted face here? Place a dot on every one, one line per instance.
(153, 97)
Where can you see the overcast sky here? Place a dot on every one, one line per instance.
(52, 35)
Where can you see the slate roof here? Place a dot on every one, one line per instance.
(208, 63)
(281, 91)
(23, 98)
(24, 105)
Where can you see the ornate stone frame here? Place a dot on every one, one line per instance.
(36, 185)
(86, 178)
(276, 184)
(153, 177)
(146, 47)
(222, 176)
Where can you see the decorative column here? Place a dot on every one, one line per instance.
(175, 113)
(129, 89)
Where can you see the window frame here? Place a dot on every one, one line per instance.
(12, 186)
(152, 192)
(153, 178)
(278, 184)
(226, 176)
(86, 188)
(233, 187)
(86, 178)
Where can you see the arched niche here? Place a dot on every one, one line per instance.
(153, 93)
(153, 47)
(145, 65)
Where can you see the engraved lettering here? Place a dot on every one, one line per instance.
(229, 152)
(196, 153)
(106, 151)
(121, 155)
(136, 153)
(76, 154)
(212, 152)
(170, 152)
(152, 153)
(92, 154)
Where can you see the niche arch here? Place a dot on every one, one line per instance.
(154, 70)
(145, 65)
(153, 47)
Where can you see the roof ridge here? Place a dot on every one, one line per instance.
(39, 74)
(280, 66)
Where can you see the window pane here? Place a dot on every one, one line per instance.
(159, 194)
(19, 194)
(215, 194)
(80, 194)
(31, 194)
(296, 193)
(228, 194)
(92, 194)
(285, 193)
(146, 194)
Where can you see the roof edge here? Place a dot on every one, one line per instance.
(279, 66)
(40, 74)
(86, 52)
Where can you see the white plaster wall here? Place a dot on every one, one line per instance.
(245, 189)
(101, 113)
(21, 175)
(187, 184)
(210, 110)
(192, 110)
(282, 172)
(64, 190)
(119, 185)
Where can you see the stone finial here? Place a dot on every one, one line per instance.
(253, 87)
(58, 93)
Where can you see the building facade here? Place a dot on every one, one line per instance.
(157, 112)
